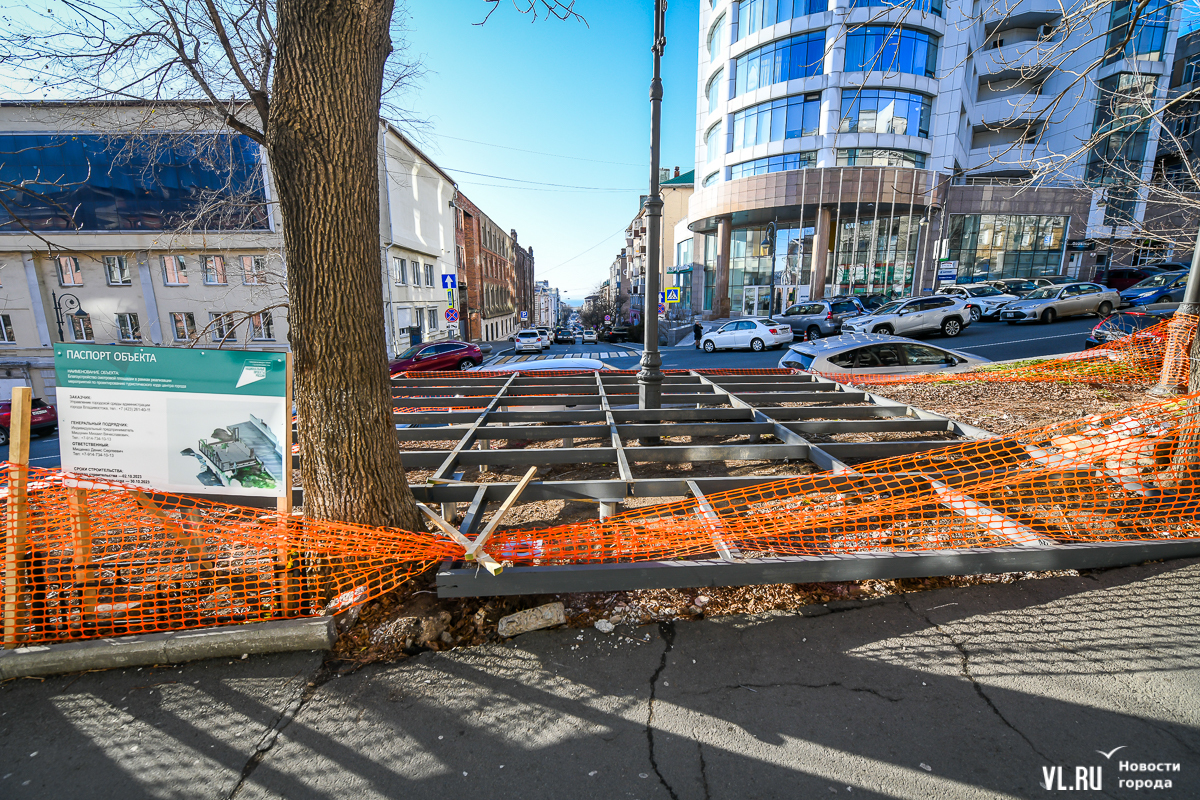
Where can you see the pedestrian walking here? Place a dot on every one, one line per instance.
(698, 330)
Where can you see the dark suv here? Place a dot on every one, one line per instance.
(814, 319)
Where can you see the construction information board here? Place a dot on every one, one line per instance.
(174, 420)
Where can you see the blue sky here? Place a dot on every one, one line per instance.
(560, 88)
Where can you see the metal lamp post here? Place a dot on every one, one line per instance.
(1180, 335)
(772, 230)
(650, 377)
(68, 303)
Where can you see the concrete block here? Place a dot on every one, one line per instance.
(532, 619)
(317, 633)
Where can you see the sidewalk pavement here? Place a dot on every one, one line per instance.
(955, 694)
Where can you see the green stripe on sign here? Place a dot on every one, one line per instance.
(171, 369)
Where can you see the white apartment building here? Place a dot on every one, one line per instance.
(416, 231)
(883, 141)
(546, 304)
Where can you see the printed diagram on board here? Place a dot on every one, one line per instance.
(245, 454)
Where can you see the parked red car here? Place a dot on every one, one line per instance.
(1120, 278)
(43, 419)
(437, 356)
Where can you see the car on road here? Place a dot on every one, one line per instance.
(43, 418)
(546, 337)
(528, 341)
(437, 356)
(1121, 278)
(1051, 302)
(912, 315)
(563, 336)
(983, 299)
(589, 336)
(868, 301)
(1018, 286)
(755, 334)
(1053, 280)
(814, 319)
(1164, 287)
(875, 354)
(1124, 323)
(615, 335)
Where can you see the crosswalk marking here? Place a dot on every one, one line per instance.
(586, 354)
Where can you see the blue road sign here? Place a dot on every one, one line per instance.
(449, 282)
(673, 295)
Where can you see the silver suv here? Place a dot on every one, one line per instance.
(910, 315)
(814, 319)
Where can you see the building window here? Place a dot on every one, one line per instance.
(710, 179)
(994, 246)
(762, 166)
(712, 143)
(221, 327)
(798, 57)
(754, 15)
(926, 6)
(875, 255)
(429, 274)
(1124, 107)
(432, 314)
(713, 93)
(710, 271)
(867, 157)
(184, 323)
(6, 330)
(128, 329)
(254, 270)
(1148, 19)
(884, 49)
(116, 271)
(886, 111)
(69, 273)
(400, 267)
(1190, 72)
(262, 327)
(715, 37)
(81, 328)
(786, 118)
(214, 270)
(174, 271)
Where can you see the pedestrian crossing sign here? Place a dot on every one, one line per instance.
(673, 295)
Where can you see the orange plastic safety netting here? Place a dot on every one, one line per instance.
(1134, 358)
(87, 558)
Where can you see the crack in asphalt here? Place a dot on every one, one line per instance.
(667, 631)
(289, 713)
(703, 770)
(966, 672)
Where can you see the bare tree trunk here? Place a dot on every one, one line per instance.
(322, 140)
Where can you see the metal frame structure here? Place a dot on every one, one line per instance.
(475, 409)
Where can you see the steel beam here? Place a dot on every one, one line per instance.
(463, 582)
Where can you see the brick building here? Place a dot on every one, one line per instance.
(526, 286)
(487, 278)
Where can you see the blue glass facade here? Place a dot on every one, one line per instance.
(927, 6)
(754, 15)
(797, 57)
(763, 166)
(101, 183)
(885, 111)
(785, 118)
(877, 48)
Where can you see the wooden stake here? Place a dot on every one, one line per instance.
(477, 545)
(16, 528)
(485, 561)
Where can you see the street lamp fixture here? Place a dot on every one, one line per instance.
(67, 304)
(650, 377)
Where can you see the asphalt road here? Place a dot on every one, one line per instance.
(43, 451)
(956, 694)
(992, 340)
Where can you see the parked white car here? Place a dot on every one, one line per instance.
(546, 337)
(984, 299)
(912, 315)
(589, 336)
(1048, 303)
(527, 341)
(875, 354)
(755, 334)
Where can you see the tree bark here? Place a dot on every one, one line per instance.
(322, 137)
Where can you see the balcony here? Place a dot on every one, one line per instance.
(1025, 59)
(1002, 15)
(1012, 107)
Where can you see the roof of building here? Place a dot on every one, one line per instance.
(686, 179)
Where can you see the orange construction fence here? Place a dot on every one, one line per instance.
(88, 558)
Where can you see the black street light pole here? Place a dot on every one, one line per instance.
(68, 303)
(650, 378)
(772, 231)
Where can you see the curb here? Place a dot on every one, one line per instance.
(280, 636)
